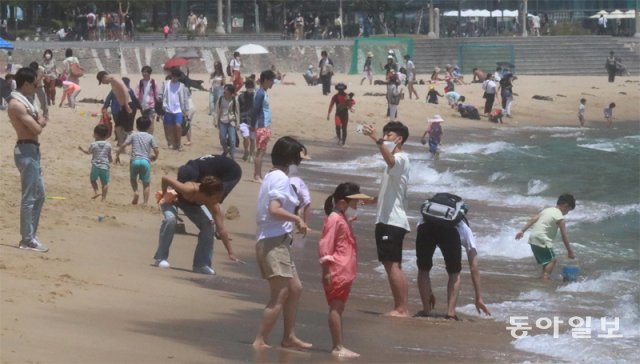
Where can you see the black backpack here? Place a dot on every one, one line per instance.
(444, 209)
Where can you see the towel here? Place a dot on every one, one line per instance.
(31, 108)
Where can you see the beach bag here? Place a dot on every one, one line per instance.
(76, 70)
(444, 209)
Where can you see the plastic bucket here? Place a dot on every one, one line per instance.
(570, 273)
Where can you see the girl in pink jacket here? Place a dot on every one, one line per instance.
(337, 249)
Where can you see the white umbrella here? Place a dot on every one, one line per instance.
(616, 14)
(252, 49)
(597, 15)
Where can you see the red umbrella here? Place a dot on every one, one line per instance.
(175, 62)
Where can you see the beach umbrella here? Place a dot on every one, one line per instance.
(5, 44)
(175, 62)
(597, 15)
(252, 49)
(616, 14)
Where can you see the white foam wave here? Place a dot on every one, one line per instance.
(568, 135)
(591, 212)
(535, 186)
(503, 244)
(480, 148)
(498, 176)
(620, 281)
(604, 147)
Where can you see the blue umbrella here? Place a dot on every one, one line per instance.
(5, 44)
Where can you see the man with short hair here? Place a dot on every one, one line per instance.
(262, 120)
(391, 219)
(28, 125)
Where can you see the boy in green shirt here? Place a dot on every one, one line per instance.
(544, 227)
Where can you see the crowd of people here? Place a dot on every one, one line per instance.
(202, 184)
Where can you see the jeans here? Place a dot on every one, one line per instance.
(228, 138)
(214, 95)
(204, 250)
(27, 159)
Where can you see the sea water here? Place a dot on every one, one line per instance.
(507, 175)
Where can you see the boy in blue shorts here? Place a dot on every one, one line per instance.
(544, 227)
(142, 145)
(100, 151)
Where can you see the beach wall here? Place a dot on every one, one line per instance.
(129, 60)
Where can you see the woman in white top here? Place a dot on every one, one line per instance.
(393, 96)
(411, 76)
(216, 86)
(275, 218)
(235, 64)
(50, 75)
(66, 70)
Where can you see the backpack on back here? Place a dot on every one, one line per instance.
(443, 208)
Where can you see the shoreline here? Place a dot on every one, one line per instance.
(94, 297)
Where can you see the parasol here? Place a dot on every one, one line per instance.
(175, 62)
(252, 49)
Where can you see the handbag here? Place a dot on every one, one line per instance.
(76, 70)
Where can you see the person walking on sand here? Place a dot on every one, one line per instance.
(391, 219)
(28, 125)
(337, 250)
(227, 120)
(275, 220)
(262, 120)
(235, 65)
(367, 69)
(582, 108)
(489, 88)
(147, 95)
(394, 94)
(608, 114)
(71, 69)
(610, 65)
(100, 151)
(326, 72)
(144, 150)
(174, 96)
(343, 103)
(411, 76)
(544, 227)
(201, 186)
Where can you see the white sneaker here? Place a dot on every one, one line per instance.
(162, 264)
(204, 270)
(34, 245)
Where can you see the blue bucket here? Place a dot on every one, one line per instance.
(570, 273)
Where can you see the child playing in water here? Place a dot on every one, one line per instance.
(581, 109)
(142, 144)
(100, 151)
(337, 249)
(434, 131)
(544, 227)
(608, 114)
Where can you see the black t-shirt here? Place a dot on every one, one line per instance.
(218, 166)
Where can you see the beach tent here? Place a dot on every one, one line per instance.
(630, 14)
(597, 15)
(616, 14)
(483, 13)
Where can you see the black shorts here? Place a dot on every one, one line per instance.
(125, 120)
(446, 238)
(389, 240)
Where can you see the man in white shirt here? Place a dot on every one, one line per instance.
(602, 25)
(489, 88)
(391, 219)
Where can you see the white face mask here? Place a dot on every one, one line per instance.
(351, 213)
(389, 145)
(48, 56)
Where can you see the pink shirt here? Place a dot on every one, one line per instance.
(337, 247)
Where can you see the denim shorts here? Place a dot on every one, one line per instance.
(173, 119)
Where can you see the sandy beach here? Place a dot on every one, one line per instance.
(95, 298)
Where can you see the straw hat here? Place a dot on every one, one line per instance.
(391, 51)
(360, 196)
(389, 57)
(436, 119)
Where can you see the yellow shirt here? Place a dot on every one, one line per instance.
(545, 229)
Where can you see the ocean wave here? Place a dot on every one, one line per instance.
(498, 176)
(604, 146)
(591, 212)
(480, 148)
(608, 282)
(535, 186)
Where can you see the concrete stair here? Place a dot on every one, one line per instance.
(556, 55)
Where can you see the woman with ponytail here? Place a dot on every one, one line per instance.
(337, 249)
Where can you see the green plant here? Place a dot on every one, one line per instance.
(569, 28)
